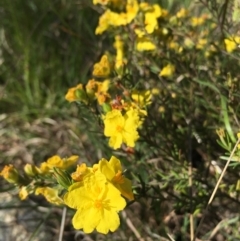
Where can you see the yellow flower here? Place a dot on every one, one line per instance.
(102, 2)
(91, 88)
(155, 91)
(161, 109)
(106, 20)
(167, 71)
(201, 43)
(134, 114)
(106, 2)
(97, 89)
(103, 23)
(197, 21)
(140, 33)
(76, 94)
(112, 170)
(101, 94)
(81, 172)
(110, 18)
(188, 43)
(10, 174)
(23, 193)
(102, 68)
(50, 194)
(131, 10)
(232, 43)
(97, 202)
(182, 13)
(175, 46)
(142, 98)
(103, 86)
(118, 45)
(151, 17)
(145, 44)
(144, 6)
(121, 129)
(56, 161)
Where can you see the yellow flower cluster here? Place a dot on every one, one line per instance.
(58, 162)
(113, 19)
(145, 35)
(123, 115)
(31, 171)
(97, 196)
(147, 26)
(94, 89)
(98, 193)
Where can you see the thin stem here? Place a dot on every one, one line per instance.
(62, 224)
(131, 226)
(216, 187)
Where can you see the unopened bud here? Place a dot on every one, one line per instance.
(62, 177)
(106, 107)
(31, 170)
(81, 95)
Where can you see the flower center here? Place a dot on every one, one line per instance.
(119, 128)
(98, 204)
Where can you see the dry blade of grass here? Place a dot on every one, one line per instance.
(215, 189)
(131, 226)
(61, 231)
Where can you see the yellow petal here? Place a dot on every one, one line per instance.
(23, 193)
(115, 164)
(102, 69)
(115, 141)
(50, 194)
(145, 44)
(110, 221)
(106, 169)
(167, 71)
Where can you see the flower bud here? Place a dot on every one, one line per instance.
(81, 95)
(106, 107)
(62, 177)
(31, 170)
